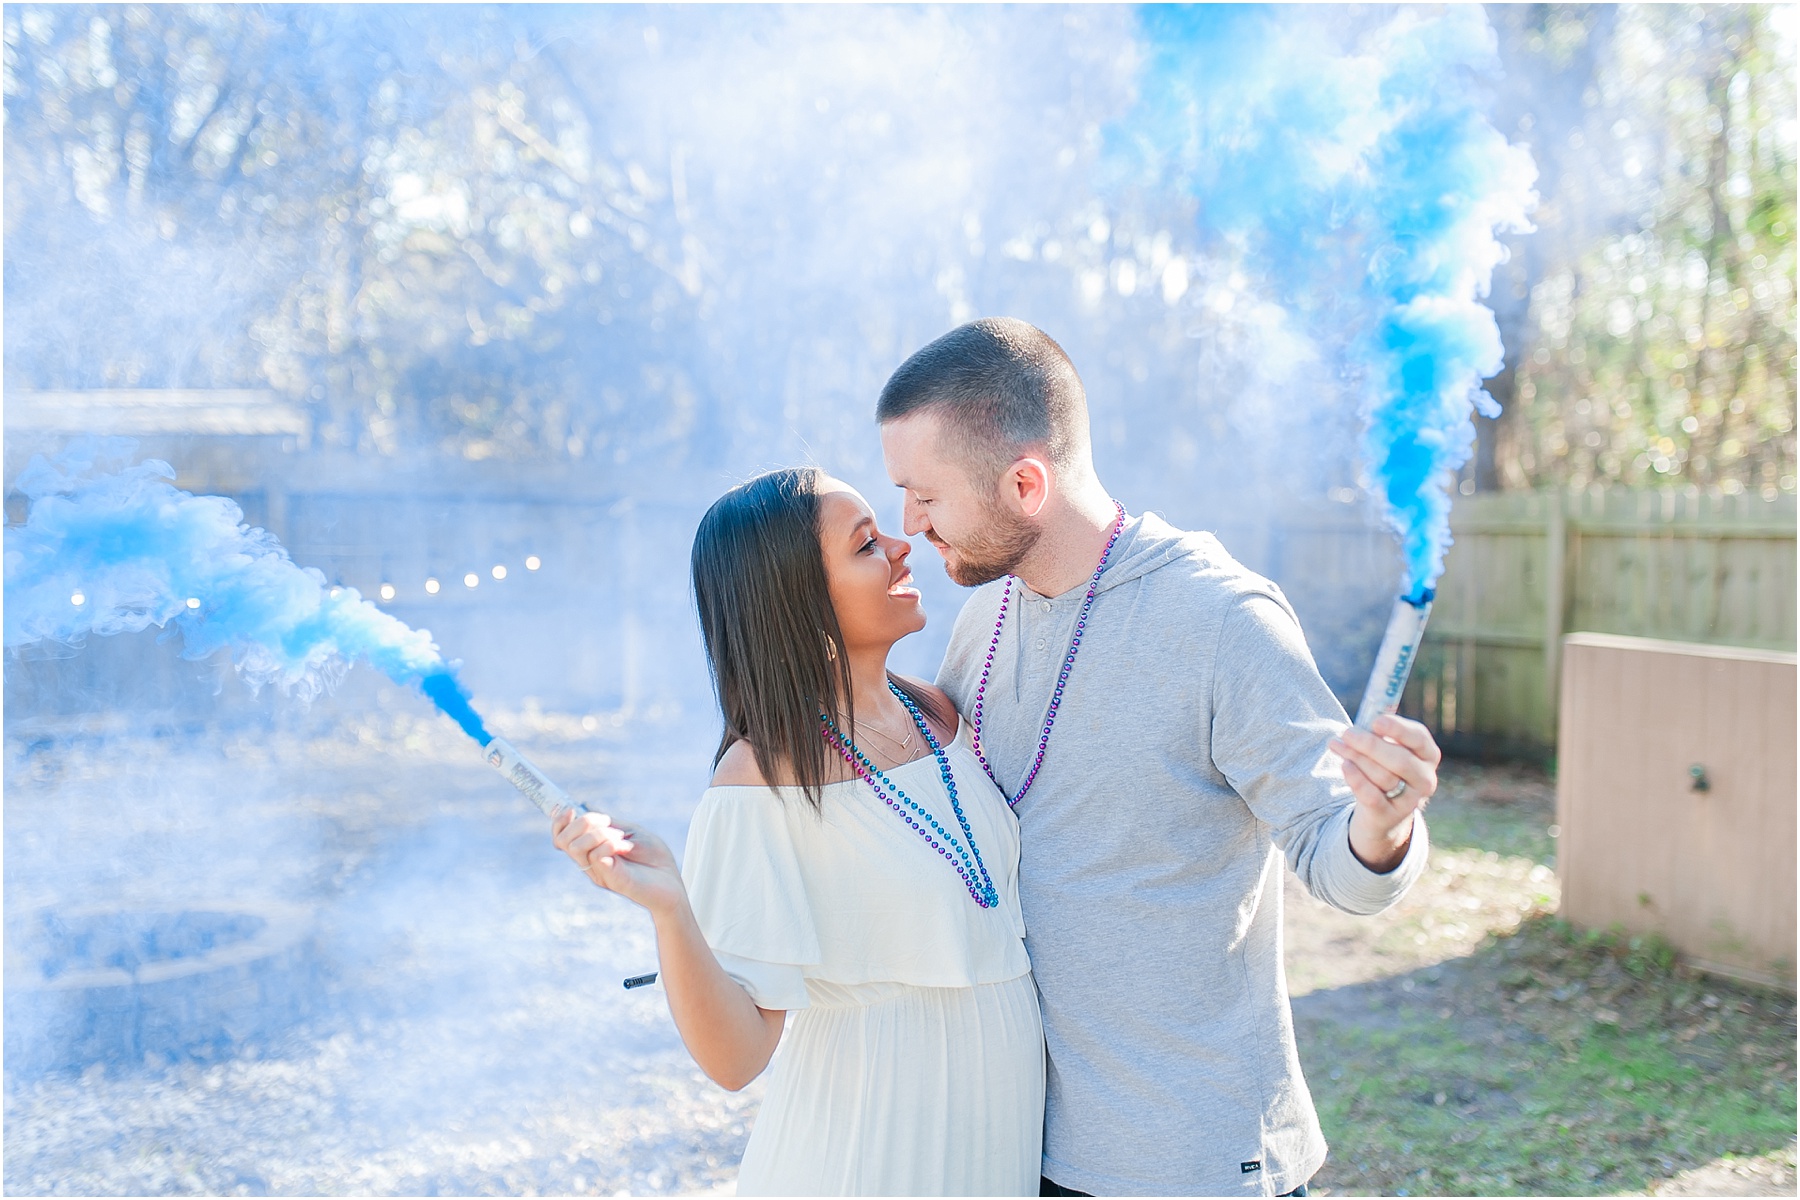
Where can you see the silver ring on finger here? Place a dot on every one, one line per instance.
(1395, 792)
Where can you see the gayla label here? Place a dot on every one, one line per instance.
(1397, 678)
(526, 782)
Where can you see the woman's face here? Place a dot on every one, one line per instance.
(871, 588)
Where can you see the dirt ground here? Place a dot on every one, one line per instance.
(1491, 867)
(1466, 1042)
(470, 1036)
(474, 1039)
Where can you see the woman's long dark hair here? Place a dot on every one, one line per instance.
(772, 637)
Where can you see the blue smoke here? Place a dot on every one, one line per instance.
(105, 552)
(1354, 174)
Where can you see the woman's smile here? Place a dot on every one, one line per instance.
(871, 585)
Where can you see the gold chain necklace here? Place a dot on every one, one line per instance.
(902, 745)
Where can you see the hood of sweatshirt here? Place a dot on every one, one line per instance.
(1148, 542)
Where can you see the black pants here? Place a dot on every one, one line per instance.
(1049, 1187)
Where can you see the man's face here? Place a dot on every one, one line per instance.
(949, 501)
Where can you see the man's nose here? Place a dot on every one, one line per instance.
(913, 518)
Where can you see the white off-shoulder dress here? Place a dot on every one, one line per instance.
(913, 1059)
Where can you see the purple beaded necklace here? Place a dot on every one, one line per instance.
(1062, 680)
(967, 861)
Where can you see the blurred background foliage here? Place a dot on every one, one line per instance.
(443, 233)
(403, 239)
(1650, 321)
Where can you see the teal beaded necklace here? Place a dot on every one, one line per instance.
(966, 860)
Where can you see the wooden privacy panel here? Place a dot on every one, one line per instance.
(1713, 869)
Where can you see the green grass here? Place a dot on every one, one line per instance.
(1506, 809)
(1473, 824)
(1550, 1062)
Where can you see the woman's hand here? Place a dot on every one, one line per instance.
(622, 858)
(728, 1035)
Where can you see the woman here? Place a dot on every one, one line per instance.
(851, 864)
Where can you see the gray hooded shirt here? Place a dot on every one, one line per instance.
(1187, 759)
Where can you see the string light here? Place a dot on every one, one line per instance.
(78, 599)
(194, 602)
(471, 579)
(387, 591)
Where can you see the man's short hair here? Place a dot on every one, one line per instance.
(1002, 385)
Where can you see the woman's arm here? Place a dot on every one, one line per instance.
(729, 1036)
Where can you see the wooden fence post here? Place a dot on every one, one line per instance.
(1556, 535)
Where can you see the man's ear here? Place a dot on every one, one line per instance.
(1026, 484)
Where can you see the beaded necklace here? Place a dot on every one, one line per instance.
(967, 861)
(1062, 680)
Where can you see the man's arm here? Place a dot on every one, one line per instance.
(1273, 722)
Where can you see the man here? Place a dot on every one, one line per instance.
(1153, 711)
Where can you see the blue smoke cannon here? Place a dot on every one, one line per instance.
(1394, 661)
(524, 774)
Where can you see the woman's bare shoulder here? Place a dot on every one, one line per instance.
(738, 767)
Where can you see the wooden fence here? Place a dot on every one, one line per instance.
(1529, 568)
(609, 606)
(591, 614)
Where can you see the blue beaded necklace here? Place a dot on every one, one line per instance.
(967, 861)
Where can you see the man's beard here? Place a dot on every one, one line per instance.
(996, 550)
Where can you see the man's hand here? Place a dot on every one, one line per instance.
(1398, 752)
